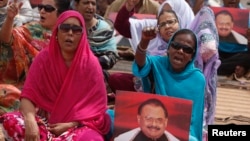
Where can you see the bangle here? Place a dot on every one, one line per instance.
(141, 49)
(9, 44)
(141, 52)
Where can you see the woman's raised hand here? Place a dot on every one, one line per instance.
(13, 9)
(149, 33)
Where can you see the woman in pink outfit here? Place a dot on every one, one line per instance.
(62, 98)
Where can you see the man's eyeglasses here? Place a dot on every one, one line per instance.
(178, 46)
(170, 23)
(47, 8)
(74, 28)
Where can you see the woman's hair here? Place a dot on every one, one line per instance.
(167, 11)
(190, 32)
(62, 6)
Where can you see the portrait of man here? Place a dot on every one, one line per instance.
(141, 116)
(225, 23)
(152, 118)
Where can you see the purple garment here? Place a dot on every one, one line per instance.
(208, 58)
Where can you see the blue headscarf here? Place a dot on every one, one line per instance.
(182, 84)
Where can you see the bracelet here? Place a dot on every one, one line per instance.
(141, 52)
(141, 49)
(9, 44)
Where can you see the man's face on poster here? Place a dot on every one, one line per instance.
(152, 121)
(224, 24)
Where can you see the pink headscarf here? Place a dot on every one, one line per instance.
(75, 93)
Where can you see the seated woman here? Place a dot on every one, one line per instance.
(64, 97)
(175, 73)
(20, 45)
(131, 28)
(165, 29)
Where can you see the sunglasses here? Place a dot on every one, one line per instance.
(67, 27)
(47, 8)
(178, 46)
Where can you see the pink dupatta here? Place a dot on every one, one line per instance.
(75, 93)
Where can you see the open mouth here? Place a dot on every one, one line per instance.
(89, 13)
(69, 41)
(42, 18)
(177, 60)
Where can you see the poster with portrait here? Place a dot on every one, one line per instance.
(232, 24)
(128, 122)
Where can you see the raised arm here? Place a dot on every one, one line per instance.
(6, 30)
(122, 24)
(148, 33)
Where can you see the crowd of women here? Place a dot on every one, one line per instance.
(53, 71)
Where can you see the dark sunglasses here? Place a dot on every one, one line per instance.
(47, 8)
(74, 28)
(178, 46)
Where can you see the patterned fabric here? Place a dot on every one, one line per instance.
(16, 56)
(16, 129)
(103, 44)
(9, 98)
(102, 41)
(208, 58)
(15, 59)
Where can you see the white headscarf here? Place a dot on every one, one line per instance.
(182, 9)
(158, 46)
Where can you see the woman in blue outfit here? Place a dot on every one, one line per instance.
(175, 74)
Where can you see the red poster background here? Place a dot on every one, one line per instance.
(126, 111)
(240, 18)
